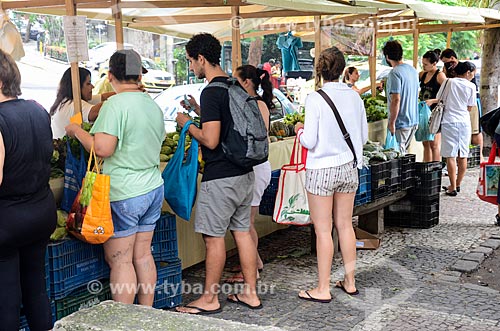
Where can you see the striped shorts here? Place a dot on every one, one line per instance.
(325, 182)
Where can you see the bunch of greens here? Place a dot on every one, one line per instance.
(376, 107)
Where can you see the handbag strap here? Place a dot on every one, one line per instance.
(298, 153)
(347, 136)
(443, 98)
(493, 153)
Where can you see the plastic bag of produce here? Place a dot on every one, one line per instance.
(90, 216)
(73, 176)
(424, 114)
(391, 141)
(180, 178)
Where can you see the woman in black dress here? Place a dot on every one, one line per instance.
(27, 206)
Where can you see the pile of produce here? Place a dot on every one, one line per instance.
(376, 107)
(171, 141)
(280, 130)
(373, 152)
(292, 119)
(60, 231)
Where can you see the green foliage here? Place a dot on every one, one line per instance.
(182, 63)
(269, 48)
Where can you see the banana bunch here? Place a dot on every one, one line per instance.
(292, 119)
(88, 185)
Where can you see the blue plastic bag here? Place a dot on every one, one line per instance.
(424, 113)
(74, 172)
(180, 178)
(391, 141)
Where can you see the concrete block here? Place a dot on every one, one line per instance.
(465, 266)
(485, 250)
(492, 243)
(477, 257)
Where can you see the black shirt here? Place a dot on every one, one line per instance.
(214, 105)
(27, 136)
(430, 89)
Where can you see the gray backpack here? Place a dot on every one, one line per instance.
(246, 143)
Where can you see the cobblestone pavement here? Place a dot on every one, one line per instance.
(406, 284)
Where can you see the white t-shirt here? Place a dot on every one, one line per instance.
(322, 135)
(65, 111)
(461, 94)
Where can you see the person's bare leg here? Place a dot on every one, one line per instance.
(248, 260)
(118, 253)
(451, 165)
(427, 151)
(462, 169)
(321, 215)
(214, 265)
(342, 217)
(436, 148)
(145, 268)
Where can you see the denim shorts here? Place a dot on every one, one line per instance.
(137, 214)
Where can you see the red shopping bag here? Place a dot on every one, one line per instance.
(291, 206)
(487, 187)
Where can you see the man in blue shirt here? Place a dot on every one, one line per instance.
(402, 96)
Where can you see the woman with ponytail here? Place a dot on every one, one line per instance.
(251, 78)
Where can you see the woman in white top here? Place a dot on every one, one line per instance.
(460, 97)
(63, 109)
(331, 174)
(351, 76)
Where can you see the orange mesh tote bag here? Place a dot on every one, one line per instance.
(90, 216)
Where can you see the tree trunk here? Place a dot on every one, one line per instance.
(490, 70)
(28, 31)
(255, 52)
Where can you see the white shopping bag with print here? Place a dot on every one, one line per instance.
(291, 206)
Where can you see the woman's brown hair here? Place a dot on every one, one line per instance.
(9, 76)
(330, 65)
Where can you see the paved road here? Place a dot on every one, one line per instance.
(406, 284)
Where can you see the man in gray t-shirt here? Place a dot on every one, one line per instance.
(402, 96)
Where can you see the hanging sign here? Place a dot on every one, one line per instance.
(75, 35)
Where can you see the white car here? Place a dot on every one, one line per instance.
(169, 102)
(102, 53)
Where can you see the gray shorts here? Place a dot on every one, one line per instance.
(224, 204)
(325, 182)
(404, 137)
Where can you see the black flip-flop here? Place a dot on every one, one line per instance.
(202, 311)
(239, 302)
(446, 188)
(340, 285)
(310, 298)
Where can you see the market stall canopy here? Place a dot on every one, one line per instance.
(185, 18)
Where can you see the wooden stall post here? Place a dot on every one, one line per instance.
(235, 38)
(448, 37)
(372, 60)
(317, 46)
(117, 15)
(75, 74)
(416, 34)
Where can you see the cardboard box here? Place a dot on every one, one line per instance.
(365, 240)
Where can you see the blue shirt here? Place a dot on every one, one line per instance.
(403, 80)
(289, 46)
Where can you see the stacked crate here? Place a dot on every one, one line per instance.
(364, 192)
(474, 157)
(385, 178)
(266, 206)
(168, 291)
(420, 209)
(407, 171)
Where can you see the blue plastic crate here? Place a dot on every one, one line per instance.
(266, 206)
(164, 244)
(364, 192)
(168, 292)
(73, 263)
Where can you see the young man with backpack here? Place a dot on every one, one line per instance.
(225, 194)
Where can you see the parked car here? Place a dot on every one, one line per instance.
(169, 101)
(155, 79)
(101, 53)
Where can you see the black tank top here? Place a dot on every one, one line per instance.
(27, 136)
(430, 89)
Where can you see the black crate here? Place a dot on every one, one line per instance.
(427, 187)
(422, 168)
(423, 199)
(474, 157)
(266, 206)
(406, 213)
(407, 183)
(380, 179)
(395, 168)
(407, 162)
